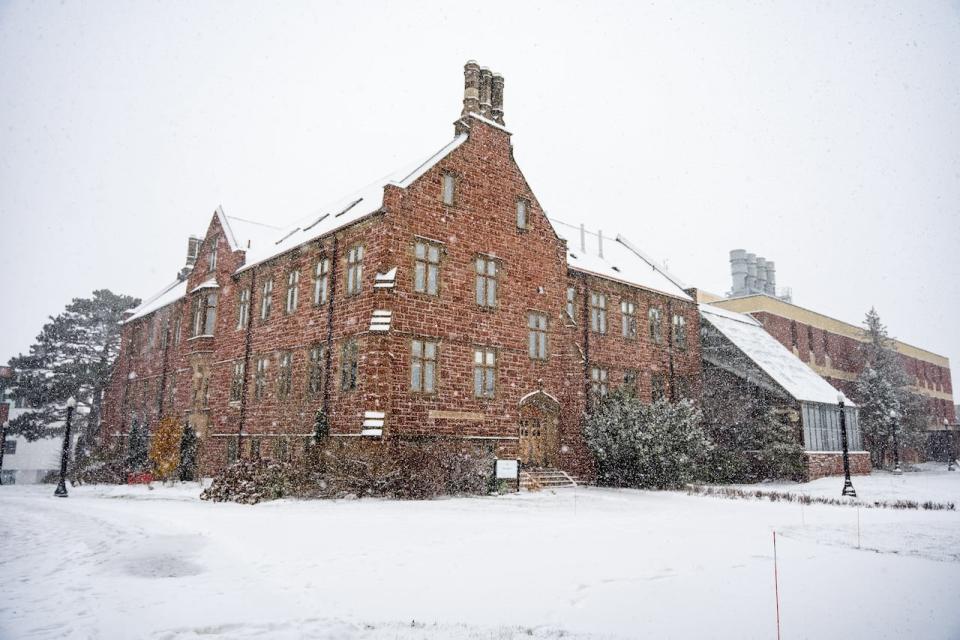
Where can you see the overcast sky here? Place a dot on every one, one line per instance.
(824, 136)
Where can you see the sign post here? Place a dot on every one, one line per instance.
(508, 470)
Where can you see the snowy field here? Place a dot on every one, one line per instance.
(130, 562)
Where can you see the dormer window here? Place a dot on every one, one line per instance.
(522, 221)
(449, 183)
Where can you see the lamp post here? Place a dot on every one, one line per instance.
(896, 443)
(950, 454)
(848, 489)
(61, 491)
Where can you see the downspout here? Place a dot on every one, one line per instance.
(247, 347)
(163, 371)
(586, 343)
(672, 394)
(328, 356)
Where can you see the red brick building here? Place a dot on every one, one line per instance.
(438, 302)
(831, 347)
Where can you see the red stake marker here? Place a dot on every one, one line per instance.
(776, 580)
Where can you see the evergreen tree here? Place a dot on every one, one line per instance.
(881, 389)
(660, 445)
(72, 356)
(137, 448)
(188, 454)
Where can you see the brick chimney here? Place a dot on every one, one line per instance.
(496, 98)
(471, 88)
(482, 93)
(485, 85)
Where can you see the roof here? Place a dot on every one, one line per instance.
(344, 211)
(786, 369)
(758, 302)
(245, 234)
(621, 261)
(168, 295)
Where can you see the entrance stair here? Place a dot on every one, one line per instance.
(536, 479)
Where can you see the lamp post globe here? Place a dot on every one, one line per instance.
(61, 491)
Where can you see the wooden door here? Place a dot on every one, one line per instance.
(538, 434)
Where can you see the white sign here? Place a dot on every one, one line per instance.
(507, 469)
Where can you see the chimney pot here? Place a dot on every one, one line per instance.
(471, 88)
(738, 270)
(496, 98)
(486, 78)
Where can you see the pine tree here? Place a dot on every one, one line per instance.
(72, 356)
(137, 445)
(188, 454)
(881, 390)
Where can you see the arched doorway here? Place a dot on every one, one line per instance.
(539, 439)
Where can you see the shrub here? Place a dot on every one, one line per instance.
(165, 448)
(660, 445)
(339, 468)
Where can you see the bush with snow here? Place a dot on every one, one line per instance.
(660, 445)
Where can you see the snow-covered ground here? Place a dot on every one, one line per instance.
(130, 562)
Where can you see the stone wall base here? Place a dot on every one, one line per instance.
(830, 463)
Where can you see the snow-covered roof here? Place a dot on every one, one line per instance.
(621, 261)
(209, 283)
(168, 295)
(345, 211)
(786, 369)
(244, 234)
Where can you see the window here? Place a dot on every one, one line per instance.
(486, 281)
(354, 270)
(211, 314)
(348, 365)
(212, 261)
(281, 449)
(260, 379)
(176, 330)
(484, 372)
(658, 386)
(426, 269)
(809, 338)
(315, 369)
(793, 333)
(266, 302)
(236, 383)
(196, 312)
(231, 450)
(598, 384)
(571, 299)
(537, 337)
(284, 374)
(630, 380)
(321, 281)
(679, 332)
(598, 312)
(423, 366)
(9, 447)
(449, 181)
(243, 308)
(656, 333)
(628, 319)
(293, 290)
(9, 477)
(522, 222)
